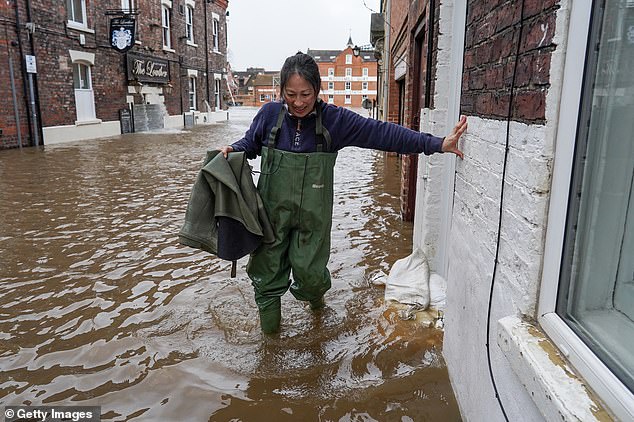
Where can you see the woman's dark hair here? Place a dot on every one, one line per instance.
(303, 65)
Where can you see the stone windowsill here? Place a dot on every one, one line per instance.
(556, 390)
(79, 27)
(87, 122)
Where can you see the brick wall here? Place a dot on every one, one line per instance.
(9, 53)
(398, 46)
(53, 39)
(491, 42)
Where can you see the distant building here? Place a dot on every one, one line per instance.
(256, 86)
(347, 79)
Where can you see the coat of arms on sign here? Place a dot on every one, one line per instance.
(121, 38)
(122, 34)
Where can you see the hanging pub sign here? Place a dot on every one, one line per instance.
(147, 69)
(122, 34)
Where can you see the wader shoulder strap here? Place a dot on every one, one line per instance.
(321, 132)
(275, 132)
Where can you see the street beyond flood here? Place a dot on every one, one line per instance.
(101, 306)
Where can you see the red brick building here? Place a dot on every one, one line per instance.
(77, 84)
(347, 79)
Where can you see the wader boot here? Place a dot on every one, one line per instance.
(270, 311)
(297, 191)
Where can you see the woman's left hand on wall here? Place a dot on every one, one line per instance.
(450, 143)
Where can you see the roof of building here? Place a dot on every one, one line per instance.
(324, 56)
(264, 79)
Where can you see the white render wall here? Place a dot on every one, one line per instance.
(472, 249)
(428, 193)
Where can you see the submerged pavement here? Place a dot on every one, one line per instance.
(101, 306)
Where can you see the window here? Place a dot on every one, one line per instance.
(81, 76)
(215, 32)
(217, 94)
(348, 100)
(348, 85)
(127, 6)
(586, 296)
(331, 99)
(165, 21)
(192, 93)
(77, 11)
(189, 23)
(365, 72)
(84, 97)
(262, 98)
(597, 276)
(364, 97)
(331, 71)
(331, 86)
(364, 86)
(348, 72)
(348, 58)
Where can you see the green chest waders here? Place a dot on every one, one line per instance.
(297, 191)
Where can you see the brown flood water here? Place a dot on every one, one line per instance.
(100, 305)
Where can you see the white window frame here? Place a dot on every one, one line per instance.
(348, 58)
(608, 387)
(365, 72)
(364, 86)
(331, 86)
(166, 17)
(189, 23)
(215, 31)
(217, 90)
(348, 72)
(348, 86)
(347, 99)
(331, 99)
(127, 6)
(72, 15)
(191, 93)
(331, 72)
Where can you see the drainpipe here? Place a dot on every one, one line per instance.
(207, 56)
(35, 98)
(386, 60)
(430, 48)
(22, 66)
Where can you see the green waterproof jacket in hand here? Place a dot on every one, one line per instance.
(225, 215)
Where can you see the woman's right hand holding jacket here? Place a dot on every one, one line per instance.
(226, 150)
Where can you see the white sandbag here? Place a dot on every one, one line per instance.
(408, 281)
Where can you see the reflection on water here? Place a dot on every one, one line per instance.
(100, 305)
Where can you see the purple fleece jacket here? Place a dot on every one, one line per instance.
(346, 128)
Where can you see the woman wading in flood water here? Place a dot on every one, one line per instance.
(298, 140)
